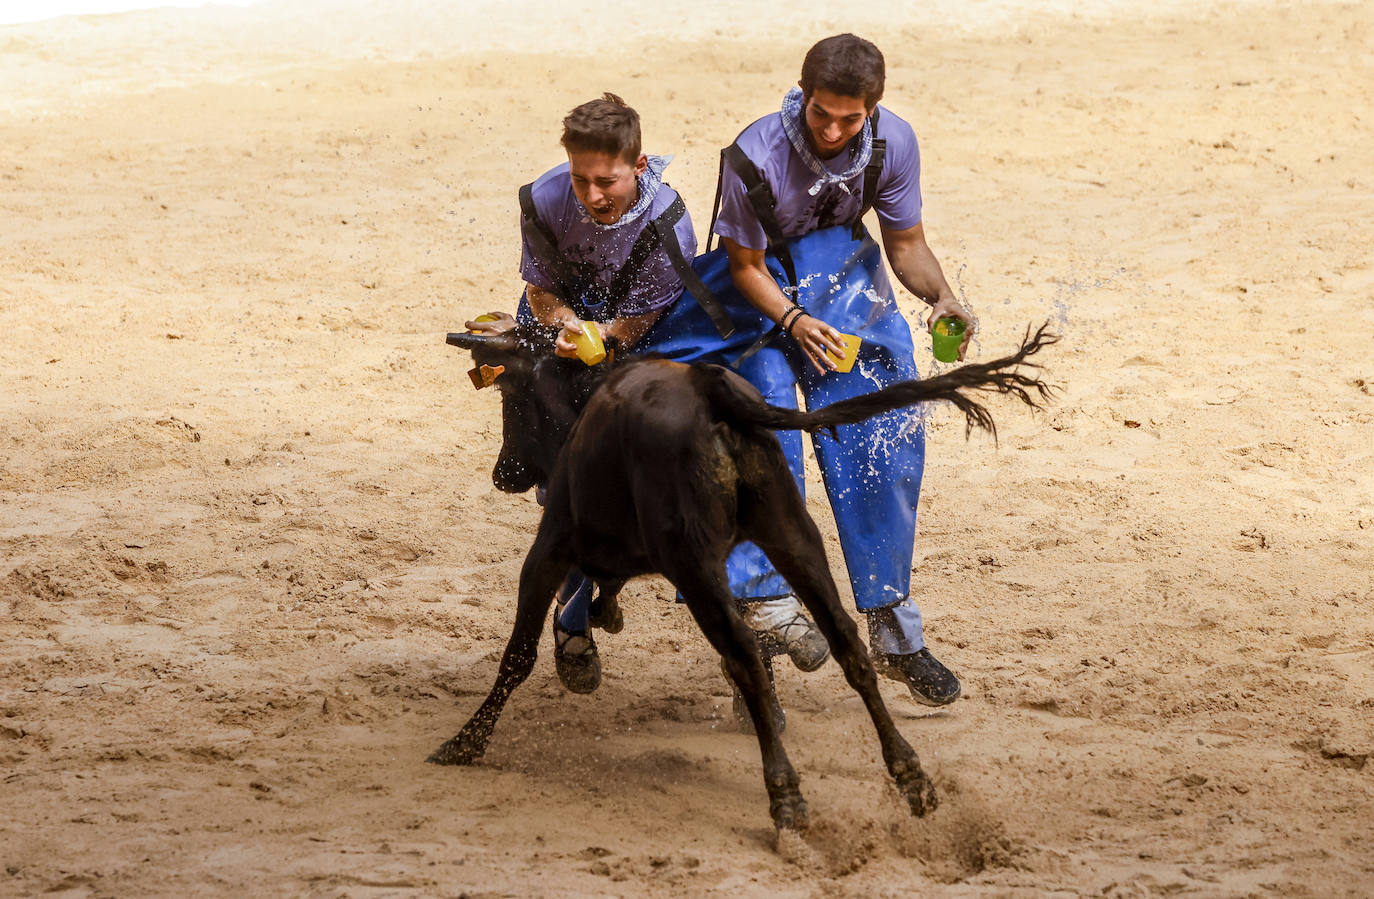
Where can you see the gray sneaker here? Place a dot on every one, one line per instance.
(782, 626)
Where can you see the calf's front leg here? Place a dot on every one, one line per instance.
(539, 578)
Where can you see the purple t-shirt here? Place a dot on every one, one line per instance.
(898, 201)
(596, 254)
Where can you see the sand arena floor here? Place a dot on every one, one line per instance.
(252, 567)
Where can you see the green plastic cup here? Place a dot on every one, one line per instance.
(946, 337)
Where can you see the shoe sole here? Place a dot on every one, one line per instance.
(809, 663)
(801, 660)
(579, 673)
(579, 678)
(895, 675)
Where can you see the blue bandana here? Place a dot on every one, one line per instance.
(796, 135)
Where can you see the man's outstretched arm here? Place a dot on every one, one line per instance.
(915, 265)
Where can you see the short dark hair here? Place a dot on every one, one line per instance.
(606, 125)
(846, 65)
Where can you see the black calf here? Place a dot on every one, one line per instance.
(665, 470)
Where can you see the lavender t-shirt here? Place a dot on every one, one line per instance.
(898, 201)
(595, 254)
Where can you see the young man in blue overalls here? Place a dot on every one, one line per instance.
(793, 190)
(604, 240)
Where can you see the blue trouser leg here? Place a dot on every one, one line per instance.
(873, 472)
(750, 573)
(872, 475)
(575, 596)
(575, 603)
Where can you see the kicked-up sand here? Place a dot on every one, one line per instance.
(253, 569)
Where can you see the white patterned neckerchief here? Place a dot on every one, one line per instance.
(794, 126)
(648, 184)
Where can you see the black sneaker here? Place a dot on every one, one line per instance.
(575, 659)
(930, 682)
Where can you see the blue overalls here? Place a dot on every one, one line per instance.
(872, 474)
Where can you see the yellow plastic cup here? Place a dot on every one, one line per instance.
(946, 337)
(851, 352)
(588, 342)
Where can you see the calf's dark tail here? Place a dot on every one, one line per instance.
(998, 376)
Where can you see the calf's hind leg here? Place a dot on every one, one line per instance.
(785, 532)
(709, 601)
(605, 611)
(539, 578)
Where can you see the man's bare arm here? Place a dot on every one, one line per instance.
(915, 265)
(752, 278)
(548, 309)
(552, 312)
(629, 328)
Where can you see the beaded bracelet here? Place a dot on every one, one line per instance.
(795, 311)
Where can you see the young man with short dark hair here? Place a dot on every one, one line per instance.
(794, 188)
(605, 241)
(581, 221)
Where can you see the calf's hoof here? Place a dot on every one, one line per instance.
(789, 813)
(918, 789)
(606, 615)
(460, 750)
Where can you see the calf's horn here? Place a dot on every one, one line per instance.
(467, 341)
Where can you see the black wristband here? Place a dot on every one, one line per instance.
(794, 320)
(795, 311)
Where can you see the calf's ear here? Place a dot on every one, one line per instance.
(485, 375)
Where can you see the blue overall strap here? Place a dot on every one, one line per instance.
(665, 226)
(543, 240)
(872, 172)
(649, 240)
(761, 198)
